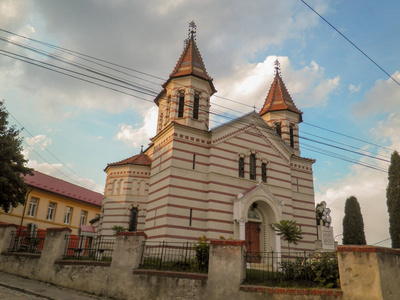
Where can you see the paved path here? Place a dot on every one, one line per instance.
(18, 288)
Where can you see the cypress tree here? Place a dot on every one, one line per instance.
(353, 224)
(393, 199)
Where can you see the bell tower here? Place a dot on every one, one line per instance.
(185, 98)
(280, 112)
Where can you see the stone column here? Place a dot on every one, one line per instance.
(226, 269)
(53, 249)
(242, 229)
(5, 236)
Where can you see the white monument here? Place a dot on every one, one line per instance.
(325, 238)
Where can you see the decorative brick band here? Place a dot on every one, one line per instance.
(277, 290)
(58, 229)
(228, 242)
(171, 274)
(368, 249)
(68, 262)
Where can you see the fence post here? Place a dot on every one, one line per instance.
(5, 236)
(227, 268)
(53, 249)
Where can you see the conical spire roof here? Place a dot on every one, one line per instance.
(190, 62)
(278, 97)
(140, 159)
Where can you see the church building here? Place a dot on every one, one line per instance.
(234, 180)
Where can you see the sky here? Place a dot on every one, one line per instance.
(73, 128)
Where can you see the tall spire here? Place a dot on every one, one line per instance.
(278, 97)
(190, 62)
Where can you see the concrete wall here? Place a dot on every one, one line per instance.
(368, 272)
(121, 279)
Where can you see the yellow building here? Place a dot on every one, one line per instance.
(53, 202)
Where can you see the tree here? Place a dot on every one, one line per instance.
(393, 199)
(289, 231)
(12, 165)
(353, 224)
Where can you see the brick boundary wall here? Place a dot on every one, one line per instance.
(286, 291)
(368, 249)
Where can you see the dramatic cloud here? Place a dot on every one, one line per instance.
(135, 137)
(250, 84)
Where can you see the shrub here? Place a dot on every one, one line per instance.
(202, 254)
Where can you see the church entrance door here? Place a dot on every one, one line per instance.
(253, 242)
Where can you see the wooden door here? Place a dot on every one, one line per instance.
(253, 241)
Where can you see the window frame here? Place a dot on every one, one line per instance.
(51, 211)
(181, 104)
(252, 166)
(241, 167)
(196, 105)
(33, 206)
(264, 172)
(69, 214)
(133, 219)
(291, 133)
(84, 215)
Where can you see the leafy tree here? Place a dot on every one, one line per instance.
(12, 164)
(393, 199)
(353, 224)
(289, 231)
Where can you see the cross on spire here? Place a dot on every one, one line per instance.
(277, 67)
(191, 33)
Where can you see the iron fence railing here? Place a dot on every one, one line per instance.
(31, 241)
(89, 248)
(175, 256)
(309, 268)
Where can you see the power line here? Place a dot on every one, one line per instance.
(354, 45)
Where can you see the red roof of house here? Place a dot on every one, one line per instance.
(140, 159)
(64, 188)
(278, 97)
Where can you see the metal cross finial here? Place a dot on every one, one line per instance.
(192, 30)
(277, 67)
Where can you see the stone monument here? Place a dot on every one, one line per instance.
(325, 238)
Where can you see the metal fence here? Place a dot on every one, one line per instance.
(309, 268)
(23, 241)
(175, 256)
(89, 248)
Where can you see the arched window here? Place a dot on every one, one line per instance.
(133, 219)
(241, 167)
(279, 129)
(291, 136)
(181, 104)
(264, 172)
(114, 187)
(196, 107)
(120, 186)
(167, 109)
(252, 166)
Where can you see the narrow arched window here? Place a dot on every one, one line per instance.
(291, 131)
(196, 107)
(264, 172)
(241, 167)
(181, 104)
(133, 219)
(252, 166)
(279, 129)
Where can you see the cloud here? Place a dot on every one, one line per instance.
(383, 97)
(354, 89)
(251, 82)
(135, 137)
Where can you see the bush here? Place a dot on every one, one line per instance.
(202, 254)
(321, 268)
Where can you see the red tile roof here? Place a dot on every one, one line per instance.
(279, 98)
(64, 188)
(140, 159)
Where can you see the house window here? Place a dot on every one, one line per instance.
(291, 136)
(241, 167)
(133, 220)
(190, 217)
(194, 161)
(51, 211)
(33, 204)
(196, 107)
(252, 166)
(83, 217)
(181, 104)
(264, 172)
(68, 214)
(279, 129)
